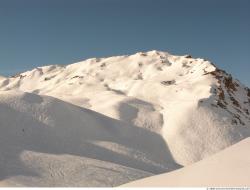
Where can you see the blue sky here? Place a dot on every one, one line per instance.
(44, 32)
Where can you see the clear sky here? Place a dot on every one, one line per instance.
(44, 32)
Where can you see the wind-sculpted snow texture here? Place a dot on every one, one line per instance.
(108, 121)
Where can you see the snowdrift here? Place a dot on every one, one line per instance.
(228, 168)
(45, 141)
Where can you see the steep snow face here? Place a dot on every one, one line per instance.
(195, 107)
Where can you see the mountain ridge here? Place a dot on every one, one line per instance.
(188, 104)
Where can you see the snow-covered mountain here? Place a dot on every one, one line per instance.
(108, 121)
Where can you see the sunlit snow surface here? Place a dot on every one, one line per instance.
(228, 168)
(109, 121)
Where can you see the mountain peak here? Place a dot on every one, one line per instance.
(191, 105)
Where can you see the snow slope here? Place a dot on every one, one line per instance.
(147, 113)
(45, 141)
(228, 168)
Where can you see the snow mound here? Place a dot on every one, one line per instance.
(48, 142)
(228, 168)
